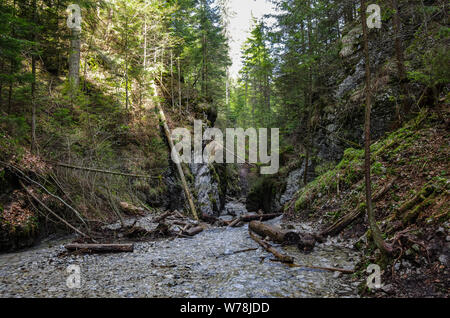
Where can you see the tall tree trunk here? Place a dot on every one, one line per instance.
(1, 84)
(126, 63)
(11, 82)
(310, 99)
(171, 78)
(33, 83)
(376, 233)
(145, 43)
(74, 59)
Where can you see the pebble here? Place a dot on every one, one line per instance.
(198, 272)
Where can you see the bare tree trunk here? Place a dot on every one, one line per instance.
(171, 78)
(145, 43)
(310, 101)
(126, 63)
(10, 92)
(1, 84)
(179, 82)
(74, 59)
(33, 85)
(376, 233)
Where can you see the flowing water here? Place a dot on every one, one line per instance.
(203, 266)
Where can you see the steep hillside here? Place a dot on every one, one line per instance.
(411, 197)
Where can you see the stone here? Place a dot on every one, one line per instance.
(443, 259)
(337, 274)
(387, 288)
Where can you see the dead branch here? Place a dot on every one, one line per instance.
(48, 192)
(53, 213)
(60, 164)
(281, 257)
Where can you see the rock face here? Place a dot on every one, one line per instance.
(294, 182)
(349, 41)
(234, 208)
(207, 188)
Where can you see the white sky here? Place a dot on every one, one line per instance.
(240, 23)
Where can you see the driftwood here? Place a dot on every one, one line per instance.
(280, 256)
(100, 248)
(235, 222)
(275, 233)
(162, 217)
(193, 231)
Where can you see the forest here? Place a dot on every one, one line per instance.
(348, 100)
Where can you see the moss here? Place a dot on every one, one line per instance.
(412, 215)
(378, 168)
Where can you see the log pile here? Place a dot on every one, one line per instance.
(168, 224)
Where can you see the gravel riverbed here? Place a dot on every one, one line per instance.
(203, 266)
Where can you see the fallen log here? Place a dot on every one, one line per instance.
(280, 256)
(331, 269)
(235, 222)
(213, 220)
(161, 217)
(100, 248)
(193, 231)
(275, 233)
